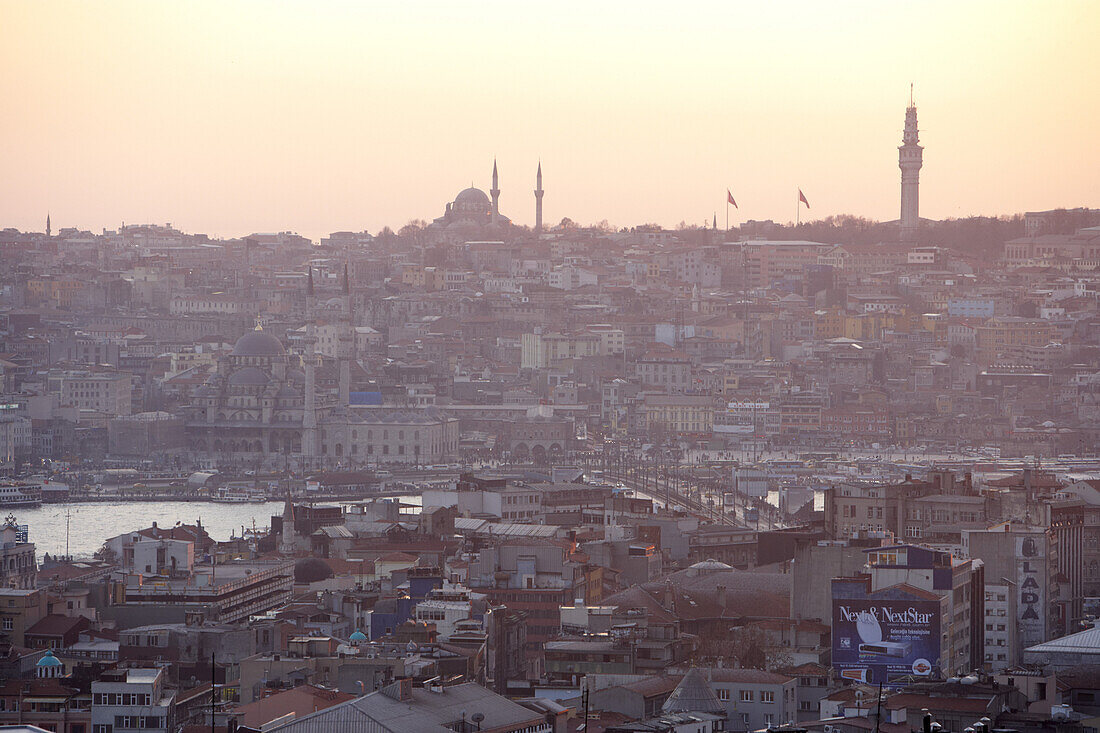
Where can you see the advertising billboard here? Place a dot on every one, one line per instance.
(886, 641)
(1031, 583)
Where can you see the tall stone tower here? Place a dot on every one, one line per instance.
(538, 199)
(910, 160)
(309, 415)
(346, 345)
(495, 193)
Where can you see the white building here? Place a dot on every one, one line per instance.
(163, 556)
(15, 437)
(131, 699)
(108, 392)
(444, 614)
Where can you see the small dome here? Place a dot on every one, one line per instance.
(248, 377)
(357, 636)
(258, 343)
(710, 565)
(48, 660)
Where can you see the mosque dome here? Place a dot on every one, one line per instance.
(357, 636)
(258, 343)
(248, 377)
(48, 660)
(473, 200)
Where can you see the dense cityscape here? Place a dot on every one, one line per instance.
(567, 477)
(300, 433)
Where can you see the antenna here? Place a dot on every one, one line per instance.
(910, 94)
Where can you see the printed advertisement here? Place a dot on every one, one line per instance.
(888, 641)
(1031, 580)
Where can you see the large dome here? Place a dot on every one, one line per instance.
(472, 198)
(258, 343)
(248, 377)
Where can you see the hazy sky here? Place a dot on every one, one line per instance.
(233, 117)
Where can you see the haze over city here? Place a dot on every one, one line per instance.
(312, 117)
(527, 367)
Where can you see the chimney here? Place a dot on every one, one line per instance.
(667, 602)
(722, 597)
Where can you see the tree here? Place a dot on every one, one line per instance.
(106, 554)
(748, 647)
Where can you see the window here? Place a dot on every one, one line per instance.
(767, 696)
(747, 696)
(7, 624)
(723, 694)
(769, 719)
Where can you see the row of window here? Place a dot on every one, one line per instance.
(746, 695)
(120, 698)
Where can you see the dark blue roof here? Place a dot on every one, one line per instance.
(365, 398)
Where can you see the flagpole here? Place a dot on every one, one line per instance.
(727, 216)
(798, 208)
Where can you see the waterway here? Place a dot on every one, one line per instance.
(89, 524)
(92, 523)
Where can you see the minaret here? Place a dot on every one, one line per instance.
(495, 193)
(910, 159)
(538, 199)
(47, 225)
(309, 416)
(346, 345)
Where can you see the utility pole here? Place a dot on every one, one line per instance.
(213, 690)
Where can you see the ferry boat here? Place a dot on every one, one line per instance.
(231, 496)
(20, 493)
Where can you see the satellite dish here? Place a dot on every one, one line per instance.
(478, 717)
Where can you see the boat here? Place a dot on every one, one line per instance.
(20, 493)
(234, 496)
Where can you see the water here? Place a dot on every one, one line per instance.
(91, 524)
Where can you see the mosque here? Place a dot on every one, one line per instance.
(474, 209)
(263, 406)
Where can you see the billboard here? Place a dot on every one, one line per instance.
(886, 641)
(1031, 582)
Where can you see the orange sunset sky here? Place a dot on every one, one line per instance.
(234, 117)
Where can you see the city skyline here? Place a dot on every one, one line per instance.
(315, 122)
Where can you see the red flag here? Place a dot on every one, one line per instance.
(729, 198)
(802, 198)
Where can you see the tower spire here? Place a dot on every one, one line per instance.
(910, 160)
(495, 193)
(47, 225)
(538, 198)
